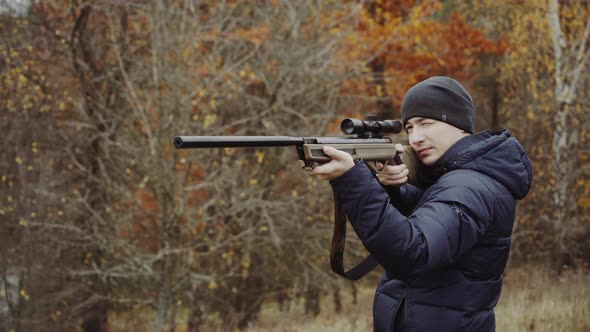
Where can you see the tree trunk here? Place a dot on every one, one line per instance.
(570, 63)
(312, 301)
(337, 300)
(385, 107)
(97, 320)
(97, 315)
(562, 167)
(196, 315)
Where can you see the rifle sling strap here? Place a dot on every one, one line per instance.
(337, 249)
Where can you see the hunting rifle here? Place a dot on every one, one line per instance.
(370, 145)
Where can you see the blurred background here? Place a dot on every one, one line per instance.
(104, 226)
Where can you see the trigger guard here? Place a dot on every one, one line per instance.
(374, 166)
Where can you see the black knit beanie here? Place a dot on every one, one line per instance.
(440, 98)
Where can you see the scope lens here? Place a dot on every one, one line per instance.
(352, 126)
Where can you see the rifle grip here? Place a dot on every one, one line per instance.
(397, 160)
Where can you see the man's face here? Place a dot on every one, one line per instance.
(431, 138)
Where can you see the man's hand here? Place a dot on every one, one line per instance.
(340, 163)
(393, 175)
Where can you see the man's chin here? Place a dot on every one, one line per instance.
(428, 161)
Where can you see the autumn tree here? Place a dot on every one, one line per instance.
(543, 81)
(35, 239)
(569, 29)
(133, 224)
(404, 42)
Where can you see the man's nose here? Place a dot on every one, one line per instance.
(416, 138)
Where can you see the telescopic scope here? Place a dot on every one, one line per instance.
(360, 127)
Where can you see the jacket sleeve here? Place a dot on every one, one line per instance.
(404, 198)
(449, 222)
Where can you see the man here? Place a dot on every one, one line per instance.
(444, 244)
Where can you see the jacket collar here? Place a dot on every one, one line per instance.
(458, 154)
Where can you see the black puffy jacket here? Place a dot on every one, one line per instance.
(445, 255)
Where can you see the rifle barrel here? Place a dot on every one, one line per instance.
(194, 142)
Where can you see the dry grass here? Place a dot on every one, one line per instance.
(352, 318)
(535, 300)
(532, 300)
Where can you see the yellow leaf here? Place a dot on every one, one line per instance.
(186, 53)
(260, 156)
(23, 294)
(530, 115)
(209, 120)
(584, 202)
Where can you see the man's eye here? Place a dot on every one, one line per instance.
(408, 128)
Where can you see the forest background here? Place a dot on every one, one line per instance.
(104, 224)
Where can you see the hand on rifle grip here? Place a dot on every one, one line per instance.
(393, 174)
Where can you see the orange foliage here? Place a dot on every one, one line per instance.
(413, 45)
(146, 226)
(404, 35)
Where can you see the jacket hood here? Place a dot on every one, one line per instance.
(495, 154)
